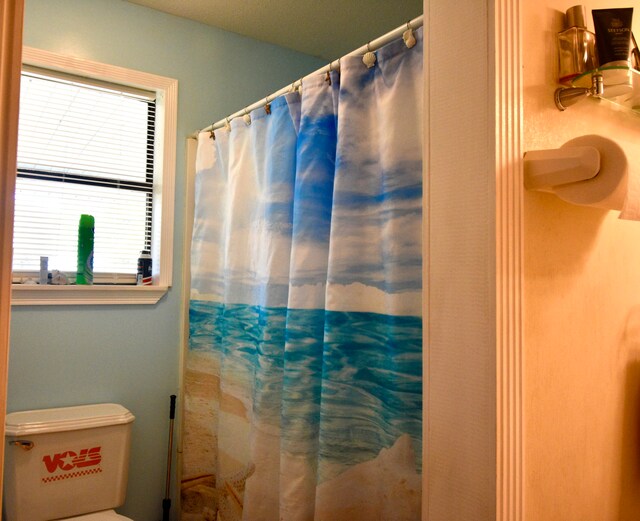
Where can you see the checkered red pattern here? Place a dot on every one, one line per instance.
(70, 475)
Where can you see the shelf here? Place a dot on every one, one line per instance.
(630, 99)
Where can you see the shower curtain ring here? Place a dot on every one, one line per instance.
(227, 124)
(369, 58)
(408, 37)
(337, 69)
(246, 117)
(267, 105)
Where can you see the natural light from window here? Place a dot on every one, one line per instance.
(83, 149)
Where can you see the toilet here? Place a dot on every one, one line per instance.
(67, 463)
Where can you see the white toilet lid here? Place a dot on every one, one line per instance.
(104, 515)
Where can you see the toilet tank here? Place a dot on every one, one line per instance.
(66, 461)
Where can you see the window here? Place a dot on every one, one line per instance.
(93, 139)
(83, 148)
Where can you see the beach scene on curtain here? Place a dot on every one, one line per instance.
(303, 373)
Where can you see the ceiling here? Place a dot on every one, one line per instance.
(327, 29)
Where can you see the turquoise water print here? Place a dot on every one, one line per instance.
(344, 384)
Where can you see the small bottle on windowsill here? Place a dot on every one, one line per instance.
(576, 47)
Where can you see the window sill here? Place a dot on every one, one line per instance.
(34, 295)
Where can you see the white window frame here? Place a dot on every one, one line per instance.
(163, 202)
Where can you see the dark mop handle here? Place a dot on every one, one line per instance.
(166, 502)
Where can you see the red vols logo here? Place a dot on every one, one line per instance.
(70, 460)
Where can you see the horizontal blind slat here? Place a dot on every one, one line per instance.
(82, 149)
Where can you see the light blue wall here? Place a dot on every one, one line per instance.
(129, 354)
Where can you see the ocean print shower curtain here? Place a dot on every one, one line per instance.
(303, 380)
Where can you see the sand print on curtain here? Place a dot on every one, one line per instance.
(303, 383)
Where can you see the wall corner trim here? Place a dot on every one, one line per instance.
(509, 263)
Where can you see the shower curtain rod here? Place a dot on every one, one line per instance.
(334, 65)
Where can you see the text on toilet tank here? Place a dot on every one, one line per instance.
(69, 459)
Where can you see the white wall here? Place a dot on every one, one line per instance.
(582, 303)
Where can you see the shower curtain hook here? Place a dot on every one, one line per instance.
(212, 135)
(408, 37)
(246, 117)
(328, 76)
(227, 124)
(267, 106)
(369, 58)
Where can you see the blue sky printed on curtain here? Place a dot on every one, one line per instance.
(303, 375)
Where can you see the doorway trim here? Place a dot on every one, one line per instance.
(509, 263)
(11, 17)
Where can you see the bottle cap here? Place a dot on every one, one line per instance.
(87, 220)
(576, 16)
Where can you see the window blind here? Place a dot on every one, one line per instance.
(83, 147)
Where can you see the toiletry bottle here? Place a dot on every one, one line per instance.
(613, 30)
(85, 249)
(144, 277)
(576, 47)
(44, 270)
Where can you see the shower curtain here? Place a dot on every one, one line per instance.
(303, 380)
